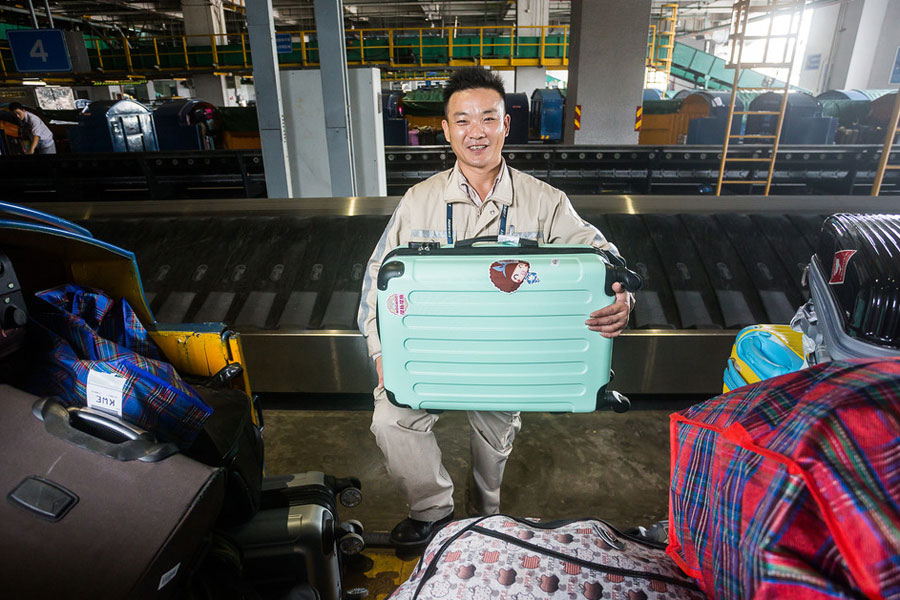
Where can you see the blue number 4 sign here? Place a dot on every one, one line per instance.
(39, 50)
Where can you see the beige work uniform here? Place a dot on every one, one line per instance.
(536, 211)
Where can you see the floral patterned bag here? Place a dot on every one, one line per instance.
(519, 559)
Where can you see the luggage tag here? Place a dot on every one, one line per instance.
(104, 392)
(508, 240)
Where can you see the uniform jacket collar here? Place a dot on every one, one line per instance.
(503, 193)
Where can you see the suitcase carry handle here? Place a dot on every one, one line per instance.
(468, 243)
(103, 434)
(630, 280)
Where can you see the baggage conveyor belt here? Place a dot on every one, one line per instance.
(287, 275)
(635, 169)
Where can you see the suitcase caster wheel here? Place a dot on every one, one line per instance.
(617, 401)
(351, 543)
(353, 526)
(350, 496)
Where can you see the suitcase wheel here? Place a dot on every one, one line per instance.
(615, 401)
(351, 543)
(353, 526)
(351, 496)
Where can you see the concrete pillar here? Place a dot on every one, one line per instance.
(304, 109)
(530, 16)
(887, 52)
(608, 51)
(336, 95)
(508, 78)
(203, 17)
(206, 18)
(266, 78)
(871, 19)
(145, 92)
(529, 79)
(852, 45)
(211, 88)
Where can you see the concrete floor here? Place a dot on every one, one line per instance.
(603, 464)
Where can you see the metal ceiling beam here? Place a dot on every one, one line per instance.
(82, 21)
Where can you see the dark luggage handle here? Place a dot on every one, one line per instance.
(630, 280)
(468, 243)
(138, 444)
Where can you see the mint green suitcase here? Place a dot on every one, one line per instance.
(497, 327)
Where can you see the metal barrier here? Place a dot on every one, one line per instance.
(499, 46)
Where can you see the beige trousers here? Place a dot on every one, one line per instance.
(413, 458)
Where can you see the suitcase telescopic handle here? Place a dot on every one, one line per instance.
(100, 433)
(468, 243)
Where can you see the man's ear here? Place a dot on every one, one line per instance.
(446, 127)
(506, 121)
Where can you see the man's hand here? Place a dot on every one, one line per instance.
(380, 372)
(610, 321)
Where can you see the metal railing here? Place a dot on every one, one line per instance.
(432, 47)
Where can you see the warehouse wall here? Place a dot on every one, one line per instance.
(886, 50)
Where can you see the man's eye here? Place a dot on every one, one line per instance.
(462, 122)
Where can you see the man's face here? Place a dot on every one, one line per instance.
(476, 125)
(20, 114)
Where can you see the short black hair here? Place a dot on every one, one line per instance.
(13, 106)
(469, 78)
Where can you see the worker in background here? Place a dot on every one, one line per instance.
(481, 195)
(38, 135)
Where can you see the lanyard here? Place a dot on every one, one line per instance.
(503, 213)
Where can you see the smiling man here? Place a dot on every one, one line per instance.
(480, 196)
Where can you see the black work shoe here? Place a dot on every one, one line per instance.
(412, 532)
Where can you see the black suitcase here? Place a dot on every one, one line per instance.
(297, 537)
(854, 309)
(97, 511)
(231, 440)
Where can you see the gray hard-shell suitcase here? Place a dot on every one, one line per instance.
(297, 537)
(97, 511)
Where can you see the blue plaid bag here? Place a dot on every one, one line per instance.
(95, 352)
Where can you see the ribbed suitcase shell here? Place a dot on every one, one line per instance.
(292, 538)
(453, 340)
(854, 279)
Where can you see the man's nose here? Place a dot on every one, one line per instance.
(476, 130)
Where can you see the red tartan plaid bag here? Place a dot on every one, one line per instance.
(790, 488)
(90, 350)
